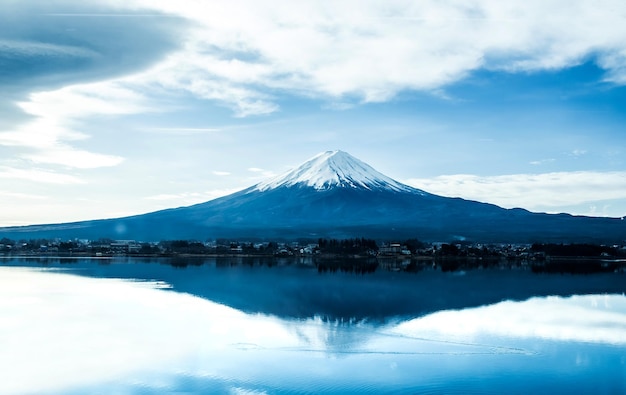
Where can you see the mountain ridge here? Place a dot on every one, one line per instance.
(336, 195)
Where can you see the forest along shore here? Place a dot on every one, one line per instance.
(357, 254)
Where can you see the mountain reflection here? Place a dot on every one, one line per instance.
(289, 288)
(115, 331)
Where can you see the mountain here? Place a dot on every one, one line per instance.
(335, 169)
(336, 195)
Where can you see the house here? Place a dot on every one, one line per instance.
(393, 249)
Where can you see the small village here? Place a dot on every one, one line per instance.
(391, 254)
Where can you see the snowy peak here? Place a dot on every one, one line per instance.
(333, 169)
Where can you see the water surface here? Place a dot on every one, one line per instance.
(234, 327)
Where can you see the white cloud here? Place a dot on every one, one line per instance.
(18, 195)
(180, 130)
(530, 191)
(221, 173)
(81, 100)
(37, 175)
(74, 158)
(49, 137)
(542, 161)
(243, 51)
(260, 174)
(246, 55)
(245, 391)
(615, 63)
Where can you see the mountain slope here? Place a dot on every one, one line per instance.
(337, 195)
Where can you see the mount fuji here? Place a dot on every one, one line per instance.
(335, 169)
(336, 195)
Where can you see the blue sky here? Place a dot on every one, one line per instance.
(112, 108)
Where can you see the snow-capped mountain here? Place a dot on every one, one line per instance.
(336, 195)
(333, 169)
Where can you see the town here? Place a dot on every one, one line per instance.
(408, 252)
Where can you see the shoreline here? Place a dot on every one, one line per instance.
(364, 263)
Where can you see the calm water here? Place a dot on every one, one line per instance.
(236, 326)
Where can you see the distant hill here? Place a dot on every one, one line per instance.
(336, 195)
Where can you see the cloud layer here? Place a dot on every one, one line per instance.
(588, 318)
(42, 48)
(78, 79)
(244, 53)
(532, 191)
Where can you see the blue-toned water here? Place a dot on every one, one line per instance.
(241, 326)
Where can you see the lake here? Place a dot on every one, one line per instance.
(285, 326)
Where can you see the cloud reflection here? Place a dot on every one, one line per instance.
(73, 332)
(588, 318)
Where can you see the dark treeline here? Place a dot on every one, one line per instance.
(356, 255)
(576, 250)
(183, 246)
(186, 247)
(329, 247)
(347, 246)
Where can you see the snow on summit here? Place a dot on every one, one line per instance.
(335, 169)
